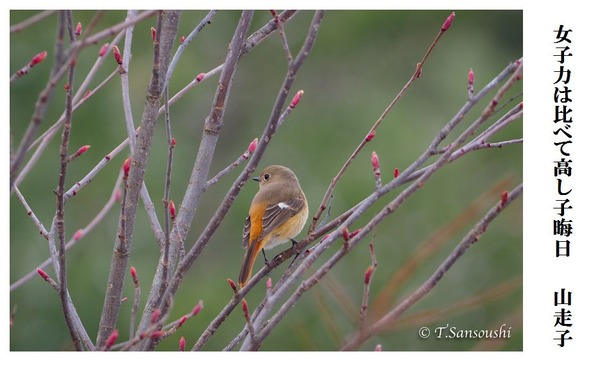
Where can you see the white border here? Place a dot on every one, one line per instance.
(541, 363)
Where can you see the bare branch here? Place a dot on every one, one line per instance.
(471, 238)
(371, 132)
(59, 219)
(207, 19)
(79, 234)
(31, 214)
(60, 68)
(162, 48)
(195, 189)
(241, 180)
(362, 318)
(30, 21)
(136, 301)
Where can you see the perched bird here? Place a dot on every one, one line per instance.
(278, 213)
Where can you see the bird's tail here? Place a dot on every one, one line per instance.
(249, 258)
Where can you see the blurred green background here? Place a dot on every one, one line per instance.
(360, 61)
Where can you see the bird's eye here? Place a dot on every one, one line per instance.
(267, 176)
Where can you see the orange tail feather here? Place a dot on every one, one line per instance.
(249, 258)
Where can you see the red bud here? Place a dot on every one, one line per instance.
(172, 209)
(117, 54)
(378, 348)
(368, 274)
(103, 50)
(134, 276)
(182, 343)
(78, 29)
(111, 339)
(273, 13)
(269, 283)
(182, 39)
(345, 233)
(354, 233)
(83, 149)
(200, 77)
(153, 32)
(245, 307)
(504, 198)
(126, 167)
(471, 77)
(173, 142)
(182, 321)
(448, 22)
(87, 93)
(157, 334)
(43, 274)
(370, 136)
(296, 99)
(155, 316)
(375, 161)
(396, 172)
(198, 308)
(232, 285)
(252, 146)
(38, 58)
(78, 234)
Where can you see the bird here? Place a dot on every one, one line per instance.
(278, 213)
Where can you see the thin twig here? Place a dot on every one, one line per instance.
(408, 175)
(41, 106)
(391, 207)
(113, 30)
(164, 263)
(59, 219)
(36, 59)
(188, 39)
(31, 214)
(179, 233)
(30, 21)
(79, 234)
(241, 180)
(165, 36)
(47, 136)
(517, 75)
(44, 98)
(243, 157)
(253, 344)
(371, 132)
(48, 279)
(212, 127)
(362, 317)
(76, 320)
(471, 238)
(83, 93)
(280, 29)
(136, 301)
(256, 322)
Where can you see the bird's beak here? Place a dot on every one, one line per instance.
(256, 178)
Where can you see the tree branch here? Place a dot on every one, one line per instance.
(471, 238)
(241, 180)
(166, 31)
